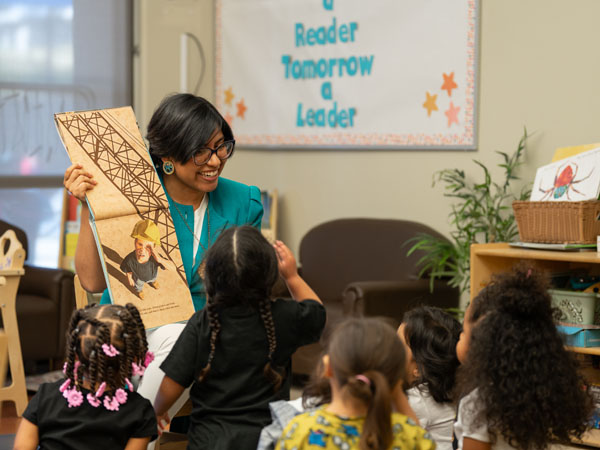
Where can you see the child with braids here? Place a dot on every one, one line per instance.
(429, 335)
(519, 384)
(362, 372)
(95, 407)
(236, 352)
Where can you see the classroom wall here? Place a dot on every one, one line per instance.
(539, 68)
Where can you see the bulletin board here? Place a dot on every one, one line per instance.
(397, 74)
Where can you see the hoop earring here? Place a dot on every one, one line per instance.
(168, 168)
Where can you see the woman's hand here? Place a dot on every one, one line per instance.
(78, 181)
(285, 261)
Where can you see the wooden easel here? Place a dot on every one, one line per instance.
(11, 270)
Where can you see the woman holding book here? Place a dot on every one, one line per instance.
(189, 142)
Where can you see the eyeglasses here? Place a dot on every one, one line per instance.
(223, 151)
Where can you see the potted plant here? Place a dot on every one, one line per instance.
(482, 213)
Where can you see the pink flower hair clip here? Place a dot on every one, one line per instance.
(74, 397)
(148, 359)
(112, 404)
(93, 400)
(121, 396)
(63, 387)
(137, 370)
(109, 350)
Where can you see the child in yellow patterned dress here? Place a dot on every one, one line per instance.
(364, 370)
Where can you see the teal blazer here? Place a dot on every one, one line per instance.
(230, 204)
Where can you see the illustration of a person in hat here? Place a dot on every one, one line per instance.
(141, 265)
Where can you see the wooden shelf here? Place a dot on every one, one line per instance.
(585, 350)
(487, 259)
(504, 250)
(591, 438)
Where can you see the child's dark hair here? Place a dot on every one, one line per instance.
(241, 268)
(93, 327)
(526, 379)
(432, 334)
(182, 124)
(365, 347)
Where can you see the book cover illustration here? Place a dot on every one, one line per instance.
(130, 214)
(576, 178)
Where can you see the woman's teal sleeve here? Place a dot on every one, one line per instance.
(255, 211)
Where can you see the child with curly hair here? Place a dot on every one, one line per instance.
(363, 370)
(236, 353)
(520, 386)
(95, 407)
(430, 335)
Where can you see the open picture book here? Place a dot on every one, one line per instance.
(129, 214)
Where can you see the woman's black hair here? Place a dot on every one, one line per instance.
(241, 268)
(182, 124)
(432, 334)
(528, 384)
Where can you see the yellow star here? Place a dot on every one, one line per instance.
(429, 104)
(228, 96)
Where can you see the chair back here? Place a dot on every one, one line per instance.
(20, 234)
(342, 251)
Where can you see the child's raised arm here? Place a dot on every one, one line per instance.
(168, 393)
(288, 270)
(27, 436)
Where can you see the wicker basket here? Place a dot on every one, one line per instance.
(558, 222)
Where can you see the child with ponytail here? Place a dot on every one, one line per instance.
(95, 406)
(364, 370)
(236, 352)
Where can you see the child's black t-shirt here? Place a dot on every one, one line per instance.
(230, 406)
(85, 426)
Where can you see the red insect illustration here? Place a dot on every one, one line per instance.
(564, 181)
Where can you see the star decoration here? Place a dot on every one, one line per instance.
(229, 96)
(452, 114)
(229, 119)
(429, 104)
(241, 108)
(449, 83)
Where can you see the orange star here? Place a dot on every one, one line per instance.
(452, 114)
(449, 83)
(429, 104)
(229, 96)
(241, 108)
(229, 119)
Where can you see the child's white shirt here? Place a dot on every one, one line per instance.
(470, 424)
(436, 418)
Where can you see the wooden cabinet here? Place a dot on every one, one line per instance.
(487, 259)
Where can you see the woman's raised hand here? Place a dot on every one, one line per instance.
(78, 181)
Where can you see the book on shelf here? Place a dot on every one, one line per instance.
(129, 214)
(573, 178)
